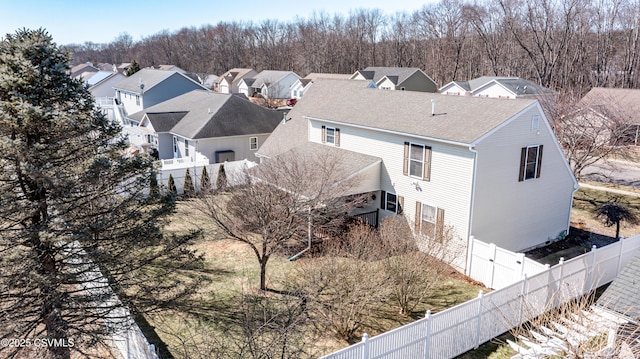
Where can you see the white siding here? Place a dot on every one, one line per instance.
(238, 144)
(494, 90)
(518, 215)
(243, 88)
(453, 90)
(451, 172)
(129, 102)
(386, 85)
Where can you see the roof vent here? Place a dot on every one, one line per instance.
(209, 110)
(433, 107)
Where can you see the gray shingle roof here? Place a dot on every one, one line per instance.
(523, 87)
(234, 76)
(344, 164)
(165, 121)
(623, 103)
(269, 77)
(148, 77)
(623, 295)
(396, 74)
(461, 119)
(210, 114)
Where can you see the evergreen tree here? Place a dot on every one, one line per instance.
(76, 225)
(188, 184)
(171, 186)
(135, 67)
(205, 181)
(221, 181)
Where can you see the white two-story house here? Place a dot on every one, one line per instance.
(488, 168)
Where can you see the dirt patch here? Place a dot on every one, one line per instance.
(576, 243)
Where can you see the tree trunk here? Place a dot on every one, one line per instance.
(263, 273)
(617, 229)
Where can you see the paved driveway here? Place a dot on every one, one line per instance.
(614, 171)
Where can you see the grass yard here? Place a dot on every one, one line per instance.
(214, 322)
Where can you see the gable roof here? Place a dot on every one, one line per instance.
(82, 69)
(149, 78)
(165, 121)
(208, 114)
(269, 77)
(320, 75)
(519, 87)
(623, 295)
(397, 75)
(234, 75)
(459, 119)
(625, 103)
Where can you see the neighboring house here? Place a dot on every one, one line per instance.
(269, 83)
(101, 86)
(617, 109)
(496, 87)
(169, 68)
(397, 78)
(474, 164)
(228, 82)
(149, 87)
(205, 127)
(301, 86)
(83, 71)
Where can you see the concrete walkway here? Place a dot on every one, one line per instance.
(607, 189)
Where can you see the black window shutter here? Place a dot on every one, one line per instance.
(539, 162)
(383, 199)
(523, 157)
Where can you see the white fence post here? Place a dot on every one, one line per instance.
(427, 337)
(589, 281)
(522, 295)
(560, 284)
(620, 256)
(365, 347)
(477, 343)
(490, 265)
(470, 256)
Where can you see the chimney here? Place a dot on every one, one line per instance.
(433, 107)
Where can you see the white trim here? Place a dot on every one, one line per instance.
(326, 135)
(405, 134)
(526, 162)
(386, 201)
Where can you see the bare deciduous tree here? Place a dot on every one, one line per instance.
(282, 202)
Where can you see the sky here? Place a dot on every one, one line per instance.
(77, 22)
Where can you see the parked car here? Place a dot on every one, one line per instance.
(292, 101)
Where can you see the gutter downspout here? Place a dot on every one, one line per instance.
(296, 256)
(473, 150)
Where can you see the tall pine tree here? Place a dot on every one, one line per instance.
(76, 220)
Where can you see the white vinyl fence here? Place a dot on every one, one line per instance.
(464, 327)
(496, 267)
(233, 170)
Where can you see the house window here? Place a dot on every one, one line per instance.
(331, 135)
(530, 162)
(391, 202)
(253, 143)
(535, 123)
(186, 148)
(138, 100)
(417, 161)
(175, 145)
(429, 221)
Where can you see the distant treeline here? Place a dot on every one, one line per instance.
(569, 45)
